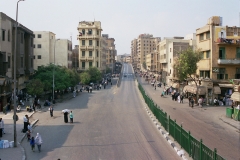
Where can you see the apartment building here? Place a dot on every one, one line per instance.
(127, 59)
(220, 62)
(134, 53)
(48, 49)
(111, 53)
(24, 56)
(151, 61)
(103, 52)
(168, 50)
(146, 43)
(89, 45)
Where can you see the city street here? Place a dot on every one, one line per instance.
(108, 124)
(203, 123)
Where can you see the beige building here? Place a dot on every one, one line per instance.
(168, 49)
(146, 43)
(90, 53)
(134, 53)
(220, 62)
(127, 59)
(46, 46)
(103, 51)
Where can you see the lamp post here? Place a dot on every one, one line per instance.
(14, 75)
(53, 101)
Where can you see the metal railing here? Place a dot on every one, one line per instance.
(195, 148)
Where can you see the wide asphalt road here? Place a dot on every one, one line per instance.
(108, 124)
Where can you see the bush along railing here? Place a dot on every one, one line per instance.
(195, 148)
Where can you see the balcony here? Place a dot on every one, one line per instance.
(163, 60)
(229, 61)
(228, 41)
(90, 47)
(83, 58)
(83, 47)
(90, 58)
(85, 36)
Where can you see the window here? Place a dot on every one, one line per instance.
(39, 36)
(97, 32)
(207, 35)
(97, 64)
(21, 37)
(9, 62)
(170, 59)
(39, 46)
(83, 65)
(201, 37)
(89, 31)
(237, 75)
(97, 43)
(83, 31)
(33, 57)
(34, 36)
(202, 55)
(3, 35)
(39, 57)
(31, 42)
(90, 53)
(83, 53)
(90, 42)
(83, 42)
(8, 35)
(238, 53)
(90, 64)
(97, 53)
(21, 62)
(34, 46)
(222, 74)
(205, 74)
(207, 54)
(222, 53)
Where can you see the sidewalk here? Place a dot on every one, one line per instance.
(18, 152)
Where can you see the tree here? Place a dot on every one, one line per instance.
(95, 74)
(108, 70)
(85, 77)
(186, 65)
(144, 65)
(35, 87)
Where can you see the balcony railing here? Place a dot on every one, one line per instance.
(229, 61)
(228, 41)
(88, 37)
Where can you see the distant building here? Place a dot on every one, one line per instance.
(75, 57)
(90, 51)
(24, 56)
(47, 49)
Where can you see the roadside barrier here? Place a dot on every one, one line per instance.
(195, 148)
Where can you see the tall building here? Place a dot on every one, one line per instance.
(47, 49)
(220, 62)
(146, 43)
(24, 56)
(90, 54)
(103, 51)
(134, 53)
(75, 57)
(111, 53)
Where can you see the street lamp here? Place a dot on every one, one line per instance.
(14, 75)
(53, 101)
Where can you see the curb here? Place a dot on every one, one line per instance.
(180, 152)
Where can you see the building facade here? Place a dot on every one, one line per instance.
(24, 56)
(134, 53)
(48, 49)
(220, 62)
(75, 57)
(89, 45)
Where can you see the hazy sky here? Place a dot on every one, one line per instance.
(123, 20)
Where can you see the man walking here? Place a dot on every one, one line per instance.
(38, 141)
(71, 117)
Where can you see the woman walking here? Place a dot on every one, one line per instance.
(32, 143)
(71, 117)
(51, 111)
(38, 141)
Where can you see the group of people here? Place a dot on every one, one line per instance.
(36, 141)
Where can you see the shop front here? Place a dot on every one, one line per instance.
(5, 91)
(193, 90)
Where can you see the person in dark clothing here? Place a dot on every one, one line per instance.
(173, 96)
(189, 100)
(181, 98)
(51, 111)
(65, 117)
(192, 102)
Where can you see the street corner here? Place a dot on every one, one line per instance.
(21, 114)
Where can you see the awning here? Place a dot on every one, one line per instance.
(193, 89)
(216, 90)
(226, 85)
(175, 85)
(235, 96)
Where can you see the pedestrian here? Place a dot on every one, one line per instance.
(51, 111)
(38, 141)
(100, 86)
(181, 98)
(1, 127)
(200, 101)
(155, 87)
(28, 135)
(71, 117)
(32, 143)
(30, 127)
(65, 117)
(192, 102)
(189, 101)
(25, 123)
